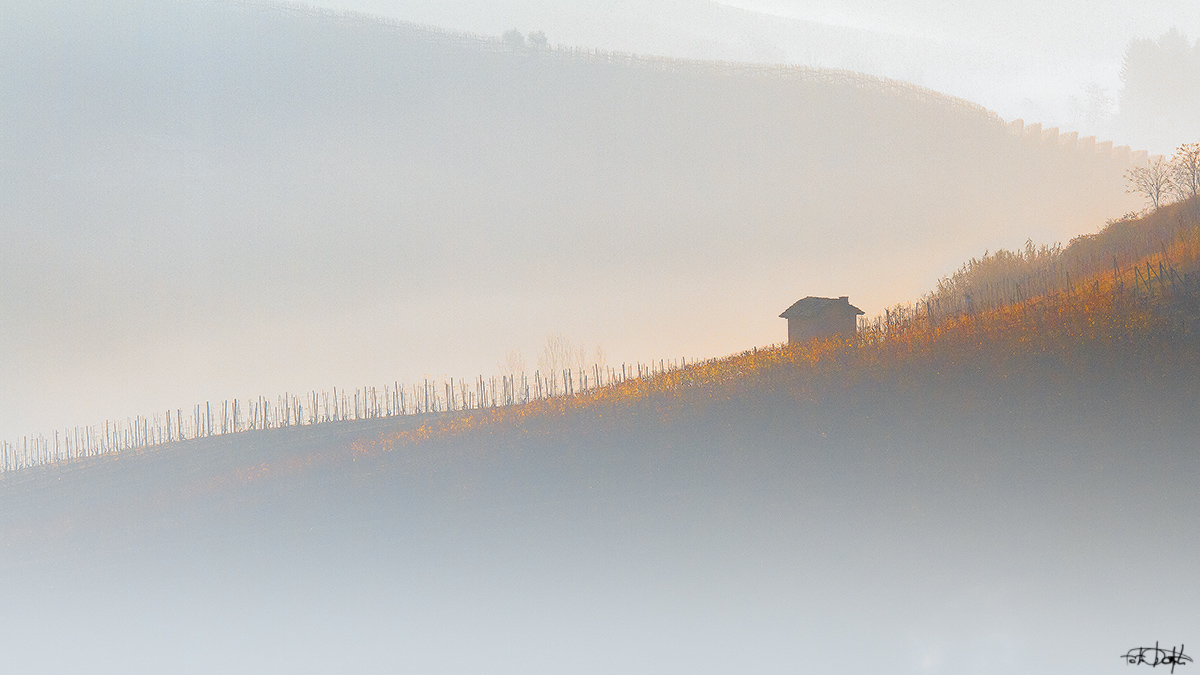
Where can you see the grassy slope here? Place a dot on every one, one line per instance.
(976, 482)
(1105, 355)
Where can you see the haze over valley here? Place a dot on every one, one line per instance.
(215, 200)
(394, 336)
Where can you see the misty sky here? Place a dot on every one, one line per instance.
(204, 203)
(1025, 59)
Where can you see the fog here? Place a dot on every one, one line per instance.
(976, 527)
(1059, 63)
(210, 201)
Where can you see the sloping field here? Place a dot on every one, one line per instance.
(981, 493)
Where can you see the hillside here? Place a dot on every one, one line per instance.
(213, 199)
(978, 493)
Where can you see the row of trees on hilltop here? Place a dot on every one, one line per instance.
(1160, 91)
(1164, 180)
(515, 40)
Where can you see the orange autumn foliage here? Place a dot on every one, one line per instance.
(1135, 319)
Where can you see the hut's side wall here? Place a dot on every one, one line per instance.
(826, 325)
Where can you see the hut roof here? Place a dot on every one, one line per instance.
(812, 307)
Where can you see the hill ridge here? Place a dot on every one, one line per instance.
(803, 73)
(1101, 297)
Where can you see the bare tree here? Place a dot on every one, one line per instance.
(600, 358)
(1152, 181)
(1185, 170)
(514, 362)
(559, 354)
(1093, 109)
(513, 38)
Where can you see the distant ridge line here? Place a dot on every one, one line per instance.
(436, 34)
(897, 88)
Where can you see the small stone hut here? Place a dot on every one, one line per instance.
(821, 318)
